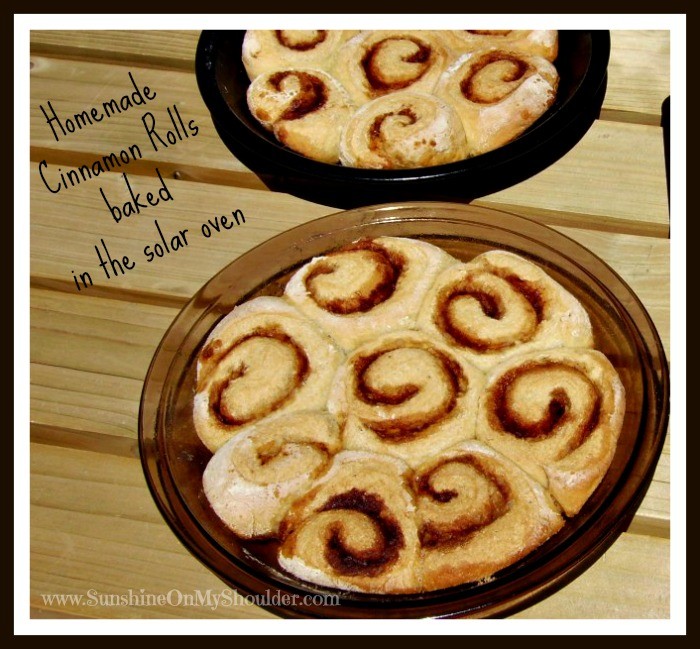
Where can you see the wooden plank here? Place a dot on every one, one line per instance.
(578, 191)
(638, 72)
(89, 358)
(149, 47)
(624, 583)
(65, 229)
(603, 183)
(94, 526)
(639, 75)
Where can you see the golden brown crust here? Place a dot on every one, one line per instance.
(478, 512)
(414, 470)
(558, 413)
(498, 93)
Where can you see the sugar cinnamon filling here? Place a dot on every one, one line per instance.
(374, 558)
(481, 497)
(493, 77)
(226, 401)
(411, 66)
(334, 285)
(310, 97)
(445, 375)
(556, 406)
(303, 41)
(493, 306)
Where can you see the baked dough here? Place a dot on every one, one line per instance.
(306, 109)
(478, 512)
(407, 395)
(500, 304)
(403, 130)
(367, 288)
(557, 413)
(263, 358)
(538, 42)
(253, 479)
(268, 50)
(498, 93)
(376, 63)
(355, 529)
(400, 421)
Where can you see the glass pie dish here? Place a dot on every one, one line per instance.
(174, 459)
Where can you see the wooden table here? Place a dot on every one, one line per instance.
(94, 526)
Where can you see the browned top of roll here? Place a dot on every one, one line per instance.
(503, 417)
(369, 561)
(217, 400)
(388, 266)
(433, 534)
(301, 44)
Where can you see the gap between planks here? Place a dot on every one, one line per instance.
(248, 180)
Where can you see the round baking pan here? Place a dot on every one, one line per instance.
(582, 65)
(174, 459)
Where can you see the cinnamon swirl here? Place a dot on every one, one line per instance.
(558, 414)
(498, 93)
(407, 395)
(403, 130)
(252, 480)
(305, 108)
(499, 304)
(355, 529)
(367, 288)
(261, 359)
(536, 42)
(270, 50)
(477, 512)
(376, 63)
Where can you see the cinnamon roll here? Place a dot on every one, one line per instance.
(261, 359)
(376, 63)
(498, 93)
(403, 130)
(477, 513)
(270, 50)
(252, 480)
(535, 42)
(305, 108)
(355, 529)
(406, 395)
(558, 414)
(499, 304)
(367, 288)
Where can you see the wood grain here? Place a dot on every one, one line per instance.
(638, 72)
(93, 521)
(639, 75)
(94, 526)
(621, 191)
(147, 48)
(89, 358)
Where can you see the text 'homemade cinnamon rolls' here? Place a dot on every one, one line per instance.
(401, 421)
(399, 99)
(262, 359)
